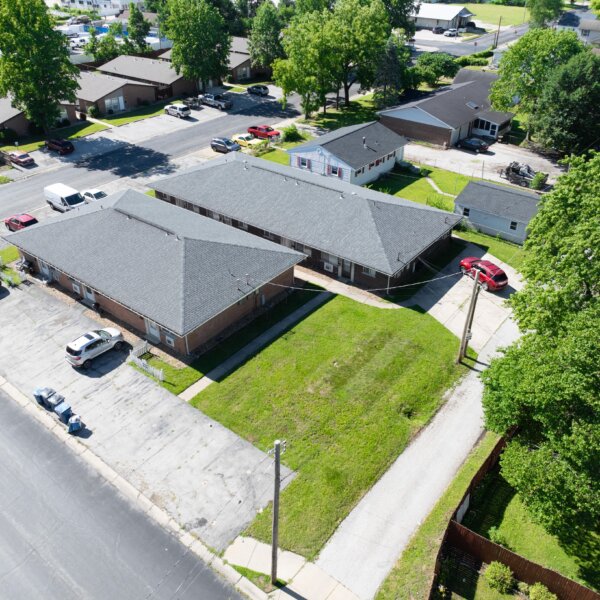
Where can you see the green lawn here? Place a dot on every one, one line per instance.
(178, 379)
(411, 577)
(33, 143)
(260, 580)
(151, 193)
(347, 388)
(449, 181)
(4, 179)
(359, 111)
(491, 13)
(277, 156)
(495, 504)
(145, 112)
(511, 254)
(9, 254)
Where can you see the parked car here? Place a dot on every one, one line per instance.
(178, 110)
(93, 195)
(62, 197)
(491, 277)
(438, 30)
(246, 140)
(18, 222)
(61, 146)
(474, 144)
(192, 103)
(264, 132)
(216, 101)
(21, 158)
(80, 352)
(224, 145)
(451, 32)
(259, 90)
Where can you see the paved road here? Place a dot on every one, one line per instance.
(66, 534)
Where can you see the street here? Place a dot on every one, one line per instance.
(66, 533)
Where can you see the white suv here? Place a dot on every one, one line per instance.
(178, 110)
(91, 344)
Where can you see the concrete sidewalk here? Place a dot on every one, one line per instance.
(253, 347)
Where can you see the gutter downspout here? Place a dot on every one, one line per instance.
(187, 347)
(388, 286)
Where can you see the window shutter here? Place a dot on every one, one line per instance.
(308, 162)
(298, 161)
(340, 172)
(328, 169)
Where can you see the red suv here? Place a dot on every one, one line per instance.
(264, 132)
(19, 222)
(491, 277)
(61, 146)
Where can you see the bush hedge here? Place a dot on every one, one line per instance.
(499, 577)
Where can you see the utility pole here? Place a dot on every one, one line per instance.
(275, 537)
(466, 335)
(497, 33)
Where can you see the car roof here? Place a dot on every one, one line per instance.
(25, 217)
(487, 264)
(84, 340)
(91, 191)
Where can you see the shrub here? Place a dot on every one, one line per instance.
(8, 135)
(291, 134)
(424, 171)
(93, 111)
(523, 588)
(471, 61)
(496, 537)
(538, 181)
(538, 591)
(499, 577)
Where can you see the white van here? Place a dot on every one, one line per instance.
(62, 197)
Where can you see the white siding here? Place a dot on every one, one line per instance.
(377, 170)
(416, 114)
(320, 159)
(494, 225)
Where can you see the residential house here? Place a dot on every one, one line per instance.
(159, 73)
(104, 7)
(351, 232)
(584, 23)
(180, 279)
(111, 94)
(357, 154)
(452, 113)
(497, 209)
(15, 119)
(430, 15)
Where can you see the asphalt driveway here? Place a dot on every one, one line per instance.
(208, 479)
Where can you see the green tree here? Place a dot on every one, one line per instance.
(358, 34)
(231, 16)
(541, 12)
(399, 14)
(525, 66)
(201, 41)
(105, 48)
(309, 69)
(286, 10)
(568, 114)
(432, 66)
(265, 37)
(546, 385)
(34, 61)
(595, 5)
(308, 6)
(392, 74)
(137, 29)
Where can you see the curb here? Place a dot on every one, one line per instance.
(130, 492)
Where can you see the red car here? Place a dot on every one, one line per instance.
(61, 146)
(20, 158)
(491, 277)
(264, 132)
(19, 222)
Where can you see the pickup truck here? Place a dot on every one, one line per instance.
(215, 100)
(264, 132)
(192, 103)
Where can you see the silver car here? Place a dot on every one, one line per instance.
(80, 352)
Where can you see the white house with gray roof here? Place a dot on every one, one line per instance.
(181, 279)
(357, 154)
(497, 209)
(431, 14)
(352, 232)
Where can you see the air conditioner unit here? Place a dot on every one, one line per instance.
(328, 267)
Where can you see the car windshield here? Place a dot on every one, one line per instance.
(28, 223)
(219, 97)
(99, 195)
(73, 352)
(74, 199)
(103, 334)
(499, 277)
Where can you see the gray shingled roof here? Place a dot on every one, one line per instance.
(499, 200)
(139, 67)
(93, 86)
(177, 268)
(346, 143)
(239, 44)
(369, 228)
(7, 110)
(458, 103)
(238, 54)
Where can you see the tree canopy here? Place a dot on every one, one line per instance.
(34, 61)
(393, 75)
(137, 29)
(201, 41)
(546, 385)
(432, 66)
(399, 12)
(265, 37)
(568, 115)
(541, 12)
(525, 66)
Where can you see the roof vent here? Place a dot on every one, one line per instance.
(297, 182)
(341, 195)
(472, 105)
(364, 142)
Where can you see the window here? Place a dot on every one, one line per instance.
(334, 170)
(371, 165)
(585, 32)
(242, 226)
(513, 225)
(227, 220)
(466, 212)
(268, 235)
(304, 163)
(76, 288)
(368, 272)
(187, 205)
(360, 171)
(330, 258)
(169, 340)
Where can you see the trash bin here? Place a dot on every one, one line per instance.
(53, 401)
(63, 410)
(42, 394)
(75, 423)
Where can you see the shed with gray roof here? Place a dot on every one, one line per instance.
(183, 280)
(357, 154)
(349, 231)
(497, 209)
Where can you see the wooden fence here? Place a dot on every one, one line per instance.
(460, 537)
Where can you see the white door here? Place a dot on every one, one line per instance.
(88, 294)
(152, 329)
(45, 270)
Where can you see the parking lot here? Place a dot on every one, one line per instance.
(208, 479)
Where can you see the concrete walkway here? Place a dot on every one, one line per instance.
(304, 580)
(253, 347)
